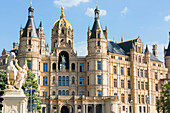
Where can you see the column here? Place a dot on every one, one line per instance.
(94, 108)
(102, 108)
(86, 108)
(83, 108)
(70, 109)
(75, 108)
(58, 108)
(51, 108)
(111, 108)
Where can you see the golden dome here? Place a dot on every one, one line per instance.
(62, 22)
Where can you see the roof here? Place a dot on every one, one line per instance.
(94, 28)
(114, 48)
(127, 45)
(153, 58)
(15, 51)
(168, 50)
(31, 23)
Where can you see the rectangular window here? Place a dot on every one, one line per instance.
(81, 67)
(98, 65)
(138, 84)
(142, 85)
(122, 98)
(140, 109)
(122, 83)
(38, 79)
(45, 67)
(128, 71)
(44, 81)
(99, 79)
(115, 82)
(29, 42)
(44, 94)
(98, 43)
(29, 64)
(129, 98)
(99, 93)
(129, 84)
(59, 80)
(142, 99)
(141, 72)
(114, 70)
(156, 75)
(122, 71)
(139, 98)
(81, 81)
(146, 85)
(88, 66)
(156, 87)
(138, 73)
(146, 74)
(88, 82)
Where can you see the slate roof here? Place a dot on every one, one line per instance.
(168, 50)
(153, 58)
(94, 28)
(127, 45)
(30, 22)
(114, 48)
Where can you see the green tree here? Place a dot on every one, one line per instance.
(3, 82)
(30, 81)
(163, 104)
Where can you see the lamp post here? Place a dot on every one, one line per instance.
(147, 101)
(131, 103)
(119, 107)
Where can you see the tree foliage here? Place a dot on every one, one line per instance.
(163, 104)
(3, 82)
(30, 81)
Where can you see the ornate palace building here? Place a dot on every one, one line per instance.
(104, 81)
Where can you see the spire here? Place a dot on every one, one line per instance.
(122, 38)
(62, 12)
(30, 10)
(41, 26)
(146, 50)
(96, 12)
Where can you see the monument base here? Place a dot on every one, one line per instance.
(15, 101)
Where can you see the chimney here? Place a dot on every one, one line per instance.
(154, 50)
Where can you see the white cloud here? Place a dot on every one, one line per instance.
(167, 18)
(81, 48)
(124, 11)
(90, 12)
(69, 3)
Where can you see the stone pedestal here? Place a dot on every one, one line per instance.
(14, 101)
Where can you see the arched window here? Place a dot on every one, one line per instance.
(54, 66)
(69, 42)
(63, 81)
(62, 31)
(73, 67)
(67, 92)
(53, 92)
(67, 81)
(63, 92)
(73, 80)
(54, 80)
(59, 92)
(59, 80)
(73, 93)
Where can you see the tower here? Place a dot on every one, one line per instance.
(167, 58)
(97, 59)
(32, 43)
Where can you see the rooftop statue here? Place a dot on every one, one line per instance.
(15, 74)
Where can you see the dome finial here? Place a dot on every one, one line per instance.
(62, 12)
(30, 3)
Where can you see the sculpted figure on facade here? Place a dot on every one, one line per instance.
(15, 74)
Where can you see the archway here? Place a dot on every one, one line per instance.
(66, 57)
(64, 109)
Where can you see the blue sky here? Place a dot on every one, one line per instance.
(148, 18)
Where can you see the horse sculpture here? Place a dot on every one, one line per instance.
(11, 70)
(15, 74)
